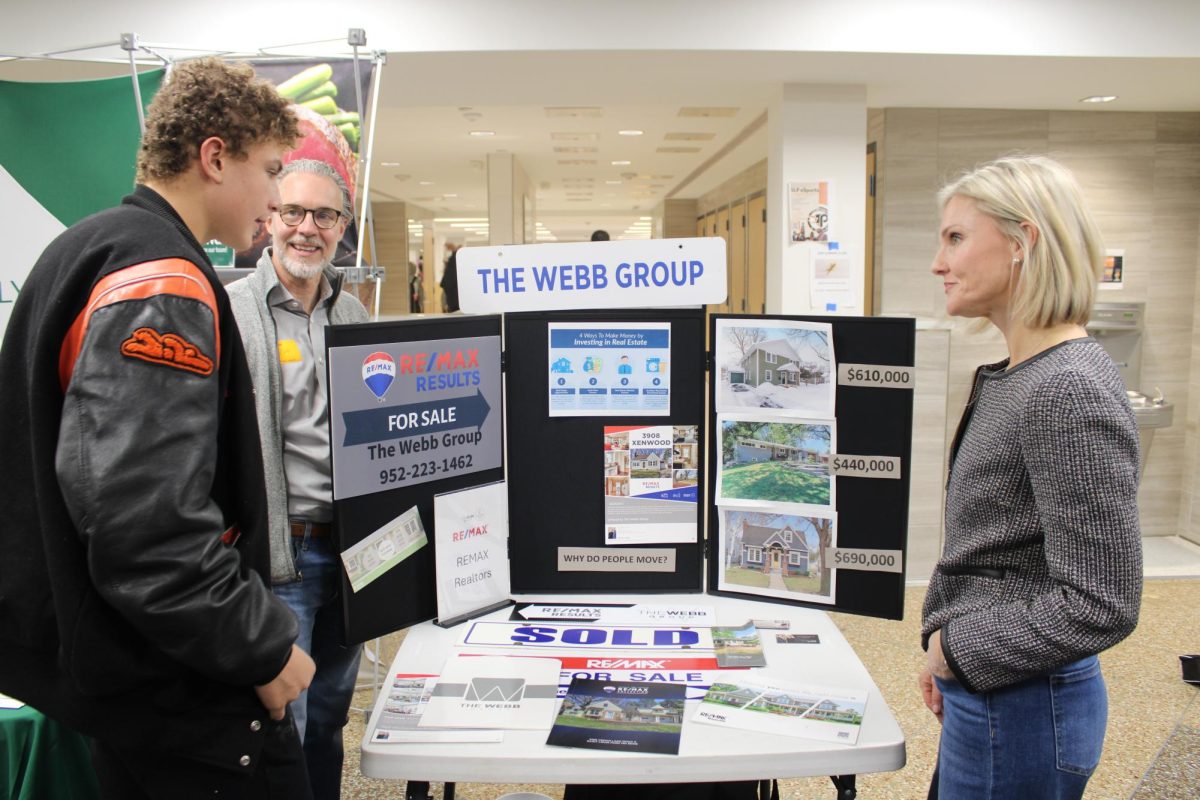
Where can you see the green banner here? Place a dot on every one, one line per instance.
(73, 146)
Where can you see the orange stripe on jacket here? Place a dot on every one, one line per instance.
(174, 276)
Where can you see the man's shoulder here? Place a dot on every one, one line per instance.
(349, 308)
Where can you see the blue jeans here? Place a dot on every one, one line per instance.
(1035, 740)
(321, 711)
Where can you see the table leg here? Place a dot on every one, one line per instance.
(419, 790)
(845, 786)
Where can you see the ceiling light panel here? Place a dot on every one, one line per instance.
(572, 136)
(690, 137)
(577, 162)
(575, 149)
(677, 149)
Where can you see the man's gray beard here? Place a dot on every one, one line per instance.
(298, 269)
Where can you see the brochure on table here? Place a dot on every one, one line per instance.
(807, 434)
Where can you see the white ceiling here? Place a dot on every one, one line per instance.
(456, 67)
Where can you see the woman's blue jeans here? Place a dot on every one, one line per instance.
(1035, 740)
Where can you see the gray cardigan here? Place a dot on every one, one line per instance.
(248, 297)
(1042, 563)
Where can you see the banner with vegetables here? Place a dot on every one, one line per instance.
(67, 150)
(324, 100)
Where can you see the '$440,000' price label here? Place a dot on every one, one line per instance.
(866, 466)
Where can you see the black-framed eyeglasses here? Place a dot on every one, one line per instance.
(324, 218)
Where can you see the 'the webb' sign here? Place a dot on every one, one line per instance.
(623, 274)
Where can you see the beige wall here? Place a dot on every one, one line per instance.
(1141, 174)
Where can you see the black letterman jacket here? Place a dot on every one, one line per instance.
(133, 605)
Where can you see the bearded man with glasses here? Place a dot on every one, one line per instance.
(282, 310)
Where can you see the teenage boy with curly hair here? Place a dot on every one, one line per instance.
(133, 601)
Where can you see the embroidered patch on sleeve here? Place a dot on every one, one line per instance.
(168, 349)
(289, 351)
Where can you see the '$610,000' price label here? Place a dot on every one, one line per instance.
(875, 376)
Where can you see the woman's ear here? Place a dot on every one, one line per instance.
(1031, 234)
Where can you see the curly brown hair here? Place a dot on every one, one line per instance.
(208, 97)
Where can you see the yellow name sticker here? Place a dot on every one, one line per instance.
(289, 351)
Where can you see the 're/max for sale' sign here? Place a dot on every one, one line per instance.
(403, 413)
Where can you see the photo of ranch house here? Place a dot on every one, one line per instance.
(776, 462)
(650, 462)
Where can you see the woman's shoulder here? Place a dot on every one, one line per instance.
(1076, 374)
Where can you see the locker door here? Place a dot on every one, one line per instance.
(737, 258)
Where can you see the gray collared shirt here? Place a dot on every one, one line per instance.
(300, 343)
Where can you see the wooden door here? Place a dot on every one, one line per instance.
(869, 239)
(756, 254)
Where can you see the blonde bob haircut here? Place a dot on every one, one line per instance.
(1059, 272)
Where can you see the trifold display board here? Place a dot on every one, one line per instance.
(385, 375)
(632, 451)
(810, 440)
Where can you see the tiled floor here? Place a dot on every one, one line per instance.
(1152, 751)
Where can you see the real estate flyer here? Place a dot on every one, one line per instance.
(651, 484)
(407, 699)
(494, 692)
(620, 715)
(739, 646)
(606, 368)
(781, 707)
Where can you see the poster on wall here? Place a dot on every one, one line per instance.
(830, 284)
(777, 554)
(326, 106)
(651, 484)
(404, 413)
(1113, 276)
(809, 216)
(783, 365)
(609, 369)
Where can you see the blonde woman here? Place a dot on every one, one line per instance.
(1042, 566)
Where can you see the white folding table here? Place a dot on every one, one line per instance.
(706, 753)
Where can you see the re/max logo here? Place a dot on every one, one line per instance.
(617, 637)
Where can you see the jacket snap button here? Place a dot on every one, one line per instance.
(244, 761)
(255, 726)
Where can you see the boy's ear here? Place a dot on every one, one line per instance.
(213, 155)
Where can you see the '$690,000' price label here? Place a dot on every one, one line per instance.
(868, 560)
